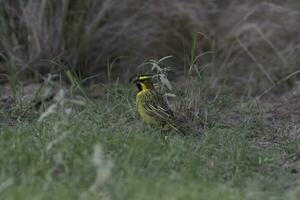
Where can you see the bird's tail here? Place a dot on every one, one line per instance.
(185, 126)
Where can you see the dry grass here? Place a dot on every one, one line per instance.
(249, 45)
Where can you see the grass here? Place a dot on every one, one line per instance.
(73, 147)
(103, 151)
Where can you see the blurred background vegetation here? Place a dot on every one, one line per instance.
(250, 45)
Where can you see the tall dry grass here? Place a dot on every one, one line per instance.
(251, 45)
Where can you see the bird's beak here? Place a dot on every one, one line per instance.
(136, 79)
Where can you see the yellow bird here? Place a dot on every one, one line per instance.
(151, 105)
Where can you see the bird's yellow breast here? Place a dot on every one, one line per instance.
(141, 110)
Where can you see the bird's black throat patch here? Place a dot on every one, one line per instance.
(139, 86)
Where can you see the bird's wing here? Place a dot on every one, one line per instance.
(157, 107)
